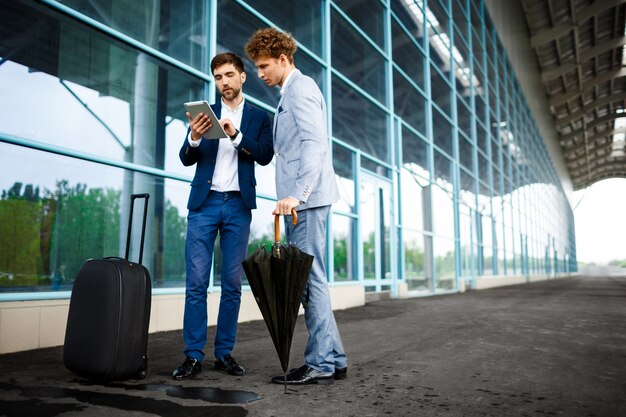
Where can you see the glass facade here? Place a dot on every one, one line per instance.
(443, 174)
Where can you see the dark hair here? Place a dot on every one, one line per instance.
(227, 58)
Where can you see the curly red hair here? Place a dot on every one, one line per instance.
(272, 43)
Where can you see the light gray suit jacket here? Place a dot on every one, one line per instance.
(304, 168)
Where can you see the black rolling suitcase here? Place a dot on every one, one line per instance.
(107, 328)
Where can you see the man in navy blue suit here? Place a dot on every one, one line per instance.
(222, 197)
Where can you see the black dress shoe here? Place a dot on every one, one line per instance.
(190, 368)
(229, 364)
(340, 373)
(304, 375)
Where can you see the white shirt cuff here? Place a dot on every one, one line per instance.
(193, 143)
(237, 139)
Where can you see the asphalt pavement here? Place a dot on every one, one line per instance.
(550, 348)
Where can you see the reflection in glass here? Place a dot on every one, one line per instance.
(443, 212)
(440, 90)
(442, 132)
(464, 118)
(444, 264)
(375, 220)
(367, 15)
(344, 242)
(261, 228)
(414, 263)
(467, 237)
(412, 201)
(179, 32)
(359, 122)
(343, 163)
(301, 18)
(407, 55)
(415, 153)
(483, 167)
(368, 229)
(443, 171)
(355, 58)
(411, 15)
(123, 104)
(466, 152)
(81, 212)
(466, 188)
(232, 15)
(408, 103)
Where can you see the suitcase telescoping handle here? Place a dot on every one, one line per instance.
(133, 197)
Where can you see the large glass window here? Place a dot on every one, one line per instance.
(355, 58)
(368, 15)
(443, 212)
(415, 153)
(344, 244)
(414, 262)
(413, 209)
(343, 162)
(444, 263)
(123, 104)
(442, 132)
(358, 121)
(407, 55)
(180, 32)
(411, 16)
(409, 103)
(301, 18)
(106, 112)
(440, 90)
(233, 15)
(60, 211)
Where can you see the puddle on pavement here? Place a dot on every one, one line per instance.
(211, 395)
(39, 399)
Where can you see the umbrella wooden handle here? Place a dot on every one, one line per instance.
(294, 220)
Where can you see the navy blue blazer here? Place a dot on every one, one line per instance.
(255, 146)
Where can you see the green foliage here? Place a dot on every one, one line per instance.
(174, 246)
(20, 219)
(46, 239)
(620, 263)
(86, 225)
(340, 260)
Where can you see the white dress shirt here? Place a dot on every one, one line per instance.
(225, 175)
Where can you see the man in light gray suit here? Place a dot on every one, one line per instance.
(305, 180)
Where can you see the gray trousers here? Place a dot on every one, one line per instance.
(324, 350)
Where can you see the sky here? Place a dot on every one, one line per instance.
(600, 218)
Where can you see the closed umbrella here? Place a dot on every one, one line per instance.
(277, 279)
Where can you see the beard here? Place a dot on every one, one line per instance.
(231, 93)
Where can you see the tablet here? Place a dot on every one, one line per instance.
(196, 107)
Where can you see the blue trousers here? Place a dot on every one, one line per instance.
(324, 350)
(226, 214)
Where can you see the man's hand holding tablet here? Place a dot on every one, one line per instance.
(204, 123)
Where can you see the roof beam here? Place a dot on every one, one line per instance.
(586, 55)
(551, 34)
(563, 28)
(589, 107)
(590, 126)
(592, 140)
(609, 170)
(557, 100)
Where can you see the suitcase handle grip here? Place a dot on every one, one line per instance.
(133, 197)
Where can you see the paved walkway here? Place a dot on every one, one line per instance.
(553, 348)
